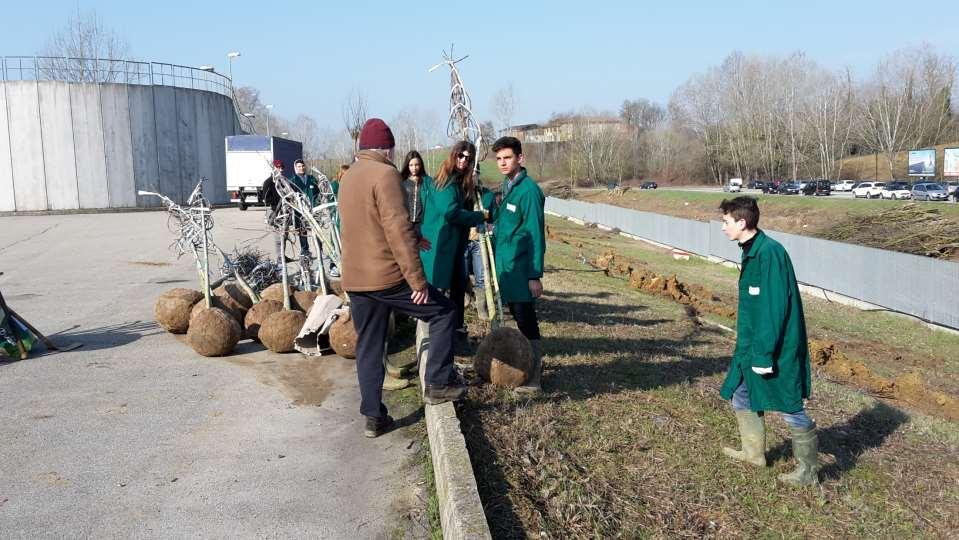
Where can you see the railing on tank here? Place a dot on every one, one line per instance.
(105, 70)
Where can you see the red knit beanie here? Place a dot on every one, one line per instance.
(376, 134)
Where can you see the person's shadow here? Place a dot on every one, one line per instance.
(848, 441)
(105, 337)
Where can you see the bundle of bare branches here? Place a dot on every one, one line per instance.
(919, 229)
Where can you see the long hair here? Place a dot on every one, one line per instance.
(448, 169)
(341, 172)
(405, 171)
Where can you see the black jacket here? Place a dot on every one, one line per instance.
(414, 199)
(270, 196)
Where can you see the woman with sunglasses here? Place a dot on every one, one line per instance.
(447, 218)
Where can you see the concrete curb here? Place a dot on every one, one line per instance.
(461, 510)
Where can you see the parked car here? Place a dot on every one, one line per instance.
(788, 188)
(843, 185)
(649, 185)
(817, 187)
(771, 186)
(929, 191)
(895, 190)
(869, 190)
(757, 184)
(951, 187)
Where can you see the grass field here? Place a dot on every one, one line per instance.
(626, 440)
(920, 228)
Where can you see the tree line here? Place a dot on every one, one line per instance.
(764, 117)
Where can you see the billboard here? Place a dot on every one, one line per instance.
(950, 162)
(922, 162)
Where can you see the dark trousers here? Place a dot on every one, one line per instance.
(525, 315)
(371, 314)
(458, 290)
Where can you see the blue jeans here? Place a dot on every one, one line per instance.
(798, 419)
(473, 259)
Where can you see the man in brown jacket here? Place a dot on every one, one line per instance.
(382, 272)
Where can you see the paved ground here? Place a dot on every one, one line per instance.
(134, 435)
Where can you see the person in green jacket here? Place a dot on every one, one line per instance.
(769, 370)
(447, 217)
(519, 248)
(308, 185)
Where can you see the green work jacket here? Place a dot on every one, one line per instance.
(445, 224)
(307, 185)
(519, 238)
(770, 332)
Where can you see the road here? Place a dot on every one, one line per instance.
(135, 435)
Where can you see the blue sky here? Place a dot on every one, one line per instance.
(307, 56)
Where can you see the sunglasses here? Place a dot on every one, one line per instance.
(463, 155)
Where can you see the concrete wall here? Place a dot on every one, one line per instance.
(7, 202)
(70, 146)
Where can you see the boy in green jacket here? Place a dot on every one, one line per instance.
(770, 366)
(519, 247)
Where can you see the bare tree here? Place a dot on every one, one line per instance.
(828, 115)
(85, 50)
(503, 104)
(248, 102)
(355, 115)
(906, 103)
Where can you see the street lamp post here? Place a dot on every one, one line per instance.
(268, 107)
(230, 56)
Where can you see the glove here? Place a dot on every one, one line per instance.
(763, 370)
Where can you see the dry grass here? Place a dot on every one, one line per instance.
(626, 442)
(927, 229)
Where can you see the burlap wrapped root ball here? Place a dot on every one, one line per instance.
(303, 300)
(274, 292)
(232, 308)
(213, 332)
(173, 309)
(234, 291)
(280, 329)
(257, 314)
(504, 358)
(343, 335)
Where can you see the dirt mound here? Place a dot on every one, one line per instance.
(343, 336)
(257, 314)
(908, 387)
(303, 300)
(695, 296)
(172, 309)
(234, 292)
(274, 292)
(213, 332)
(504, 358)
(280, 329)
(221, 302)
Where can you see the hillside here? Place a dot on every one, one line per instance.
(874, 166)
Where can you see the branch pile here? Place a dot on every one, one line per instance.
(919, 229)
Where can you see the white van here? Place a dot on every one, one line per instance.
(734, 185)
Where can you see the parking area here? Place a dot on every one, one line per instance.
(135, 435)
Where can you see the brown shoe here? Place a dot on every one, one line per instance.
(436, 394)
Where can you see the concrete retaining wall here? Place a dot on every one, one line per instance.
(68, 146)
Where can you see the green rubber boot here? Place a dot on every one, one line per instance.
(752, 432)
(806, 450)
